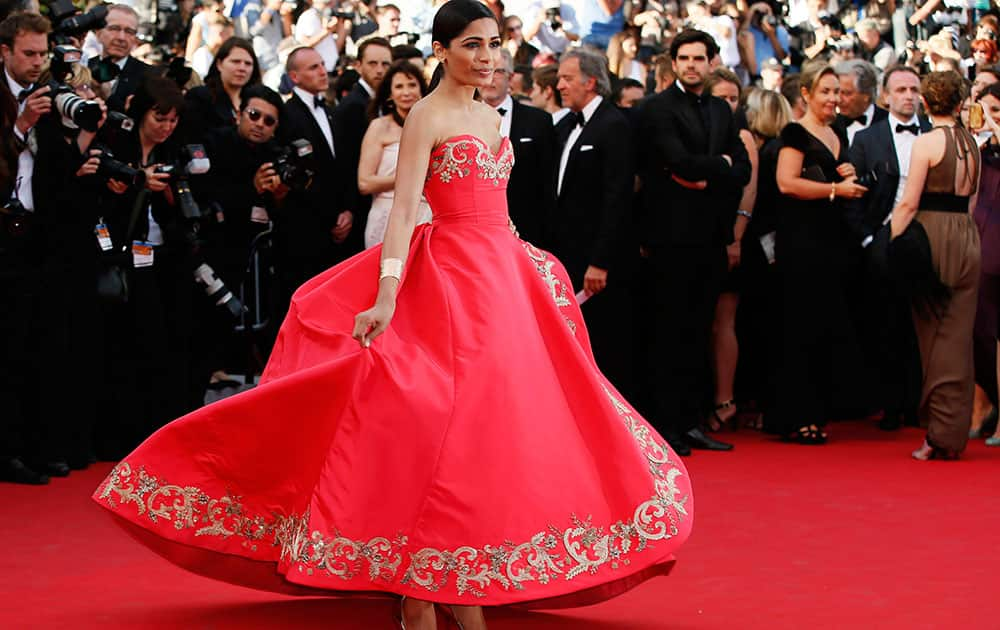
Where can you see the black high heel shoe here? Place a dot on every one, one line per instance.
(716, 423)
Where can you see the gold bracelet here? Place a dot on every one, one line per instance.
(391, 268)
(833, 191)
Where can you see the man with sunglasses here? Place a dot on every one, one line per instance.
(242, 189)
(117, 70)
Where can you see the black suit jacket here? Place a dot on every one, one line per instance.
(530, 191)
(350, 124)
(843, 122)
(127, 83)
(672, 141)
(874, 152)
(303, 223)
(203, 114)
(592, 217)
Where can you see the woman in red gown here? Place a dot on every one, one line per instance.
(468, 454)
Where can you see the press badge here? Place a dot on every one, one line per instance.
(142, 254)
(103, 237)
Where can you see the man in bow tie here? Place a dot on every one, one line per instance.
(120, 72)
(858, 86)
(590, 229)
(313, 224)
(693, 170)
(881, 153)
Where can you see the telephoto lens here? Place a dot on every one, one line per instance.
(83, 113)
(217, 290)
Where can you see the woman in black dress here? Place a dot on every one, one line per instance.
(217, 103)
(818, 349)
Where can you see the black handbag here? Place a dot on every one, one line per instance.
(112, 280)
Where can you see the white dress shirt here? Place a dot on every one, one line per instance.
(855, 127)
(903, 142)
(25, 160)
(319, 114)
(559, 114)
(574, 135)
(508, 115)
(367, 88)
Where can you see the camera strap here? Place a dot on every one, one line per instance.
(137, 207)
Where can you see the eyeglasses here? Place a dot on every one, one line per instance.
(254, 116)
(115, 28)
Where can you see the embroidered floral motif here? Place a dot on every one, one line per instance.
(556, 286)
(454, 160)
(550, 554)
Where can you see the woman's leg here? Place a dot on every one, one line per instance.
(726, 350)
(418, 614)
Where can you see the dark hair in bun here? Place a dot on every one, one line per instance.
(454, 16)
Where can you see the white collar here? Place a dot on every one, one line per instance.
(893, 121)
(14, 86)
(591, 107)
(507, 104)
(307, 97)
(368, 88)
(870, 114)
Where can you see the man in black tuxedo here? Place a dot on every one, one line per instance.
(881, 153)
(30, 434)
(858, 86)
(530, 189)
(311, 225)
(694, 167)
(350, 122)
(118, 40)
(591, 225)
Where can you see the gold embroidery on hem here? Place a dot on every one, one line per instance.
(547, 555)
(557, 287)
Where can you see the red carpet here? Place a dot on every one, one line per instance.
(853, 534)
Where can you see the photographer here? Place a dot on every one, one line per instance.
(553, 28)
(874, 50)
(65, 195)
(24, 448)
(763, 37)
(117, 71)
(154, 374)
(319, 28)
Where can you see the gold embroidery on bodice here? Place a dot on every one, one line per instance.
(454, 159)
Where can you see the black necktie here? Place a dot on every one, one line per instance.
(22, 95)
(863, 119)
(502, 111)
(318, 102)
(914, 129)
(579, 118)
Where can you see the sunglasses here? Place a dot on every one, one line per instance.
(255, 115)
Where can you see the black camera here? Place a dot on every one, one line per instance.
(554, 16)
(68, 21)
(76, 112)
(193, 160)
(842, 45)
(293, 164)
(112, 168)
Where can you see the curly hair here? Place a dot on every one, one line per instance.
(943, 92)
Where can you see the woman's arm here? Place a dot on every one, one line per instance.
(415, 148)
(792, 184)
(904, 212)
(749, 198)
(369, 182)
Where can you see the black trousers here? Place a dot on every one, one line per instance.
(684, 284)
(608, 316)
(20, 433)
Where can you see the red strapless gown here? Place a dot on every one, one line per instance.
(473, 455)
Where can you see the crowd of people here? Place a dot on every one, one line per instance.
(757, 205)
